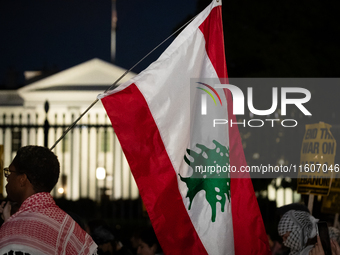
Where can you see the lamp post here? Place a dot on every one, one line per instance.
(62, 189)
(100, 173)
(101, 177)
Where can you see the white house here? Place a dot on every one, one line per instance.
(89, 148)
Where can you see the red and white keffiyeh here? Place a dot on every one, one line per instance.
(41, 227)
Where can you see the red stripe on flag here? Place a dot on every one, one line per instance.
(247, 220)
(156, 179)
(212, 30)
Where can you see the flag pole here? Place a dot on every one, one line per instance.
(115, 83)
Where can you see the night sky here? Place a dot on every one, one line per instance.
(282, 38)
(59, 34)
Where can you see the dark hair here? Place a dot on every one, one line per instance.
(148, 236)
(40, 165)
(102, 235)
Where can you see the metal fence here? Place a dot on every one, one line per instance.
(91, 146)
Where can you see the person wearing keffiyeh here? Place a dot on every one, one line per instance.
(39, 226)
(296, 228)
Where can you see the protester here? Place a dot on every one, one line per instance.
(276, 247)
(39, 226)
(134, 240)
(296, 229)
(299, 232)
(148, 243)
(107, 243)
(8, 208)
(334, 234)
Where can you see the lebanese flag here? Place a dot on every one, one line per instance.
(169, 144)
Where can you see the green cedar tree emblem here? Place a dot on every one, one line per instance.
(217, 184)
